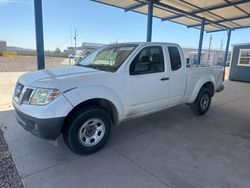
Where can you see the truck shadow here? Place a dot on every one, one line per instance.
(32, 154)
(17, 137)
(141, 125)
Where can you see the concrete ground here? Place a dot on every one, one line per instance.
(172, 148)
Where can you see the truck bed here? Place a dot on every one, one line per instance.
(199, 73)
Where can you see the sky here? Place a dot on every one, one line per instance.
(96, 23)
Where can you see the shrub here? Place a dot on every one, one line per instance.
(8, 54)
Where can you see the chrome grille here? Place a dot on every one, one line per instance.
(18, 89)
(22, 93)
(27, 95)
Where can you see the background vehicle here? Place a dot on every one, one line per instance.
(110, 85)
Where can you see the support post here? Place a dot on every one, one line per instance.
(227, 47)
(39, 34)
(150, 20)
(201, 40)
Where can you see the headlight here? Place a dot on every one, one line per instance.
(43, 96)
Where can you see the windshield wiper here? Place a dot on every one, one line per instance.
(104, 67)
(79, 65)
(98, 67)
(87, 66)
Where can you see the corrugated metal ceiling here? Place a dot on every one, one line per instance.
(219, 14)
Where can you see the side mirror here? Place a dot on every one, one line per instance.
(141, 68)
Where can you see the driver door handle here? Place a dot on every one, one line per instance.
(164, 78)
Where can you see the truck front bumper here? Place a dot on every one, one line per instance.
(49, 128)
(43, 121)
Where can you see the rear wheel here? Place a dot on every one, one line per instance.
(202, 102)
(88, 130)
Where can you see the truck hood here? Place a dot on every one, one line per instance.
(59, 77)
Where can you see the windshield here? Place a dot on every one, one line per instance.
(109, 58)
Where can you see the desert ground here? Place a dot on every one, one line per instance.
(13, 67)
(28, 63)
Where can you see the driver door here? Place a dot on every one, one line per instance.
(147, 82)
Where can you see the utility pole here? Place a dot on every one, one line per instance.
(75, 40)
(221, 49)
(209, 48)
(221, 45)
(71, 36)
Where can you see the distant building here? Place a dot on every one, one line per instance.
(86, 48)
(208, 57)
(240, 62)
(3, 45)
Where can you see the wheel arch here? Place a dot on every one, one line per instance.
(105, 104)
(205, 82)
(210, 86)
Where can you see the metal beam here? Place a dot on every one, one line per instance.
(238, 8)
(227, 47)
(233, 29)
(135, 6)
(191, 4)
(187, 13)
(208, 9)
(224, 20)
(39, 34)
(201, 40)
(150, 20)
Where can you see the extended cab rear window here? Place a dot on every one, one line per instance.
(175, 58)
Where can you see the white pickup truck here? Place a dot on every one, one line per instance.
(114, 83)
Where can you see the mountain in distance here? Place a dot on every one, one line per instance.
(16, 49)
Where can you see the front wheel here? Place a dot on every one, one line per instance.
(202, 103)
(88, 130)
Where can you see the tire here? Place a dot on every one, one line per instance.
(202, 102)
(88, 130)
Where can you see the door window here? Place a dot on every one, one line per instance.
(148, 60)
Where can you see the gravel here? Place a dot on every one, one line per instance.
(9, 177)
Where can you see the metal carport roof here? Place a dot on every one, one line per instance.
(218, 14)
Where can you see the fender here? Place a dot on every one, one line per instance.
(84, 93)
(204, 79)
